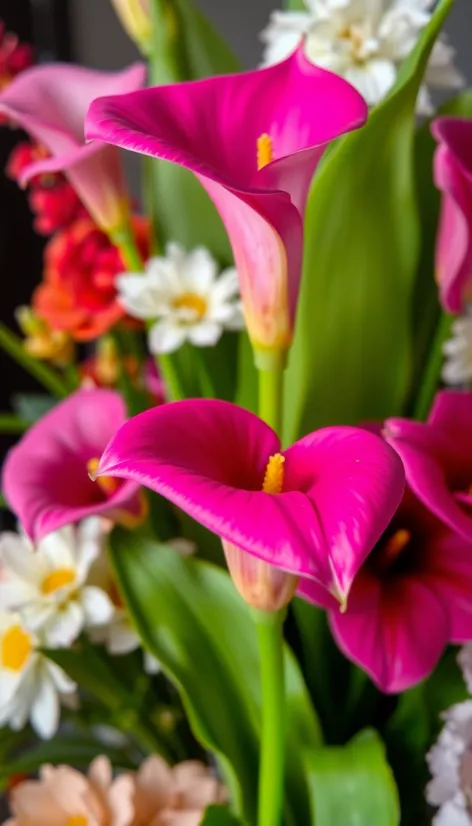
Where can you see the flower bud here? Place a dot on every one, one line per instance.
(261, 585)
(135, 16)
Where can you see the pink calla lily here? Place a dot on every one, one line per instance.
(438, 458)
(339, 487)
(254, 141)
(410, 599)
(453, 176)
(45, 477)
(50, 103)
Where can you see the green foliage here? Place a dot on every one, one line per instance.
(191, 618)
(220, 816)
(352, 785)
(353, 352)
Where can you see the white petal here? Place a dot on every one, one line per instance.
(122, 638)
(451, 815)
(373, 80)
(199, 271)
(166, 337)
(65, 626)
(205, 333)
(151, 664)
(140, 296)
(226, 287)
(97, 605)
(59, 678)
(58, 548)
(45, 708)
(15, 594)
(20, 561)
(9, 682)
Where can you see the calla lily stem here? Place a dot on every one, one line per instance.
(123, 238)
(271, 397)
(271, 767)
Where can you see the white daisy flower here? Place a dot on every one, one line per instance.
(48, 586)
(450, 763)
(186, 297)
(365, 41)
(457, 369)
(31, 686)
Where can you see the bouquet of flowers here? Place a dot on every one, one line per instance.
(243, 556)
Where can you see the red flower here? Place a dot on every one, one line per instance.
(78, 291)
(53, 201)
(14, 56)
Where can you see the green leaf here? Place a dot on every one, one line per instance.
(76, 751)
(192, 619)
(13, 346)
(352, 357)
(352, 785)
(32, 406)
(220, 816)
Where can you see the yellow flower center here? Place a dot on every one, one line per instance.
(15, 648)
(191, 301)
(265, 151)
(57, 579)
(395, 545)
(274, 475)
(77, 820)
(106, 483)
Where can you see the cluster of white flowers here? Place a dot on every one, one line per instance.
(365, 41)
(450, 759)
(457, 369)
(184, 298)
(49, 595)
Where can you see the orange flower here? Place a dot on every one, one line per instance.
(78, 292)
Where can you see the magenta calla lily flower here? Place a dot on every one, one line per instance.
(254, 141)
(453, 176)
(50, 103)
(46, 476)
(438, 458)
(314, 510)
(411, 598)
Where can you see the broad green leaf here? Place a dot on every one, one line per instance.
(353, 352)
(191, 618)
(352, 785)
(220, 816)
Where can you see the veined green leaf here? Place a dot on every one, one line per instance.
(353, 352)
(352, 785)
(191, 618)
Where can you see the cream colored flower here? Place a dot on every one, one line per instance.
(365, 41)
(64, 797)
(31, 686)
(48, 585)
(185, 297)
(457, 369)
(175, 796)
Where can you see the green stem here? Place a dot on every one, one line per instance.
(124, 239)
(271, 766)
(432, 372)
(174, 390)
(271, 384)
(9, 423)
(13, 345)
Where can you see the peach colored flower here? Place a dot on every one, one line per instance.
(64, 797)
(175, 796)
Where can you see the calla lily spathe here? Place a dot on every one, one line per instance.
(46, 476)
(437, 456)
(453, 176)
(318, 519)
(50, 103)
(254, 141)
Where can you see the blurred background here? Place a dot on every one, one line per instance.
(88, 32)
